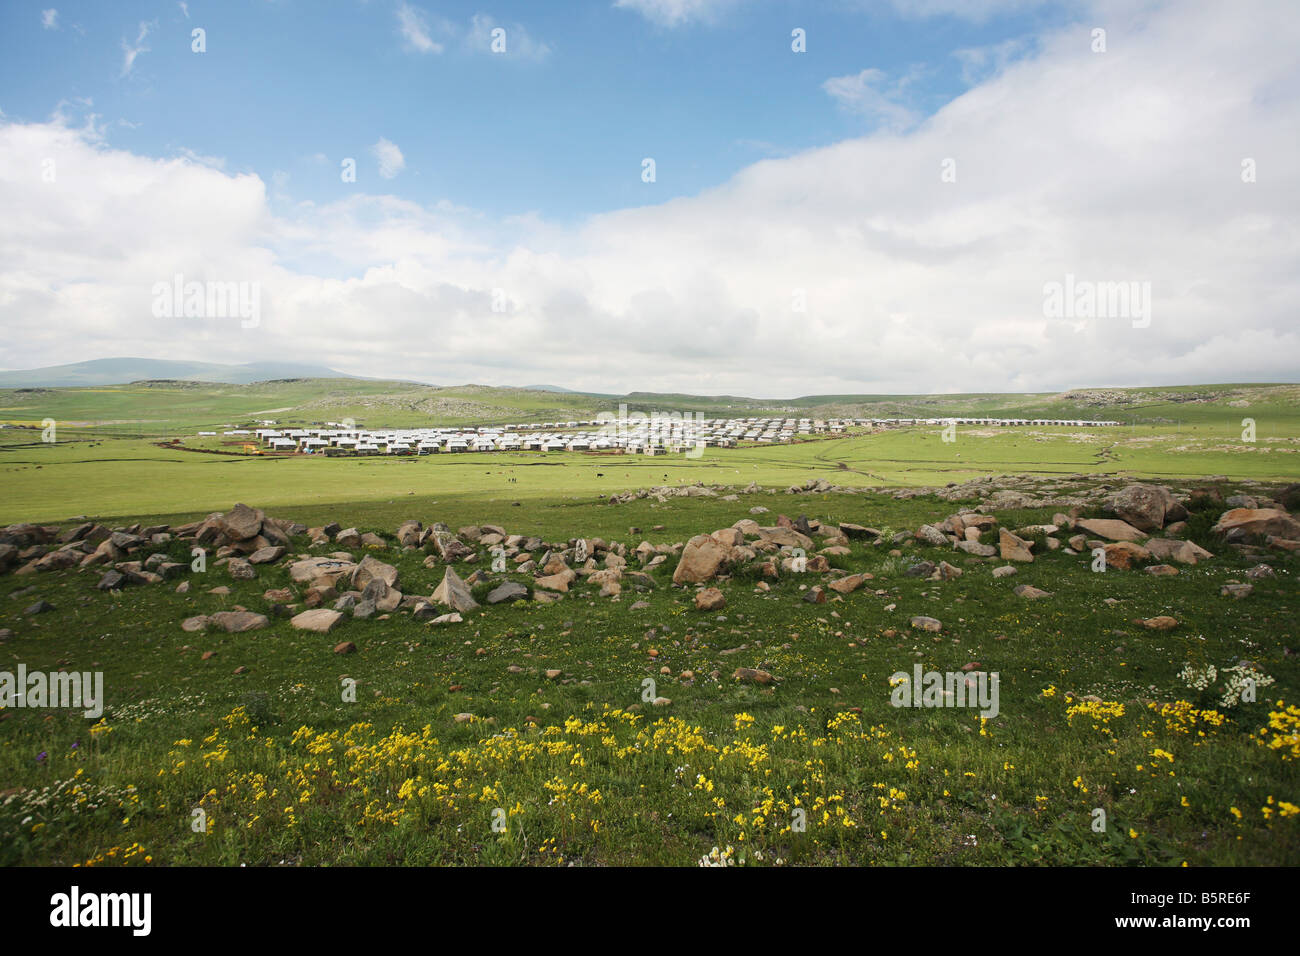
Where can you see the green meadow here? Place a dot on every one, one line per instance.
(527, 733)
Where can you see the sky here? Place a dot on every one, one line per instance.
(745, 197)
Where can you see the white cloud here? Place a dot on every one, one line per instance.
(132, 51)
(1110, 167)
(673, 13)
(185, 8)
(389, 157)
(413, 24)
(870, 94)
(50, 19)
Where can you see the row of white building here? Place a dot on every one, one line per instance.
(635, 435)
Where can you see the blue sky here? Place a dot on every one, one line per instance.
(893, 210)
(558, 125)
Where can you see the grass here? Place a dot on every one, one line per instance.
(580, 769)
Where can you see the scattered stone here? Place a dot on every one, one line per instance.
(1013, 548)
(1162, 622)
(320, 620)
(345, 647)
(1031, 593)
(454, 593)
(750, 675)
(927, 623)
(710, 599)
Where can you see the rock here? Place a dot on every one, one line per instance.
(975, 548)
(111, 581)
(1005, 571)
(463, 718)
(815, 595)
(556, 582)
(1146, 507)
(508, 591)
(320, 571)
(1112, 529)
(847, 585)
(1184, 552)
(922, 570)
(1031, 593)
(237, 622)
(241, 570)
(1124, 554)
(345, 647)
(372, 569)
(701, 560)
(40, 607)
(1161, 623)
(320, 620)
(710, 599)
(933, 536)
(452, 618)
(242, 522)
(554, 674)
(197, 623)
(1261, 571)
(364, 609)
(946, 571)
(1161, 570)
(266, 555)
(454, 593)
(1013, 548)
(858, 531)
(1236, 591)
(927, 623)
(1261, 521)
(750, 675)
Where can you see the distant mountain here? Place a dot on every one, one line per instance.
(118, 371)
(549, 388)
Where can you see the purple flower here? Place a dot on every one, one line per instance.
(40, 757)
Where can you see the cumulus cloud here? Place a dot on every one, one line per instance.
(1115, 167)
(50, 19)
(389, 157)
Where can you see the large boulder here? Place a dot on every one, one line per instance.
(1184, 552)
(242, 522)
(370, 569)
(1146, 507)
(321, 620)
(701, 559)
(508, 591)
(1264, 521)
(454, 592)
(1013, 548)
(1112, 529)
(320, 571)
(1124, 554)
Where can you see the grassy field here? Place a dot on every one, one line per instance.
(132, 477)
(583, 771)
(819, 768)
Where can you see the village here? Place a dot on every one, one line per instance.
(658, 434)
